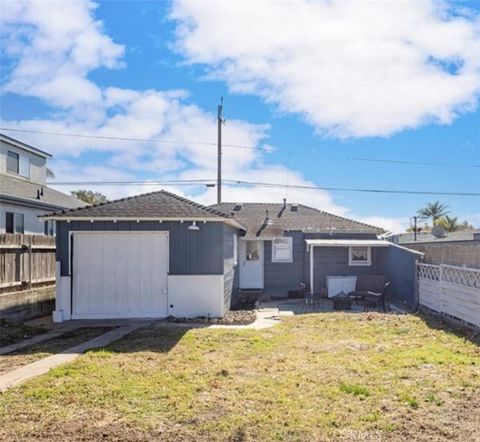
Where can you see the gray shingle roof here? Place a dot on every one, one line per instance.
(159, 204)
(11, 187)
(307, 219)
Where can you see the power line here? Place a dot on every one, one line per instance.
(134, 182)
(239, 146)
(210, 182)
(349, 189)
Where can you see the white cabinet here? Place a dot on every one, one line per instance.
(338, 284)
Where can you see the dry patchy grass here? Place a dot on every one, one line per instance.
(34, 352)
(332, 376)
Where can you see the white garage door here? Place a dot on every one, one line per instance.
(119, 275)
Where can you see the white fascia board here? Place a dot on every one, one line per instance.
(416, 252)
(140, 218)
(348, 243)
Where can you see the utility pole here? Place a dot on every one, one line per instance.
(219, 153)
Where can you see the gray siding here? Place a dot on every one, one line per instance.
(229, 269)
(279, 277)
(333, 261)
(399, 265)
(191, 252)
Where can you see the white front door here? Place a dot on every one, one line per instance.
(119, 275)
(251, 264)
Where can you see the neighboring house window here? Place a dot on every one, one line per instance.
(24, 166)
(282, 250)
(13, 162)
(18, 164)
(235, 250)
(360, 256)
(50, 228)
(14, 222)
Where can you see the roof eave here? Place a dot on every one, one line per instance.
(66, 218)
(21, 145)
(32, 202)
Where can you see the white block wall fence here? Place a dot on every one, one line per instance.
(450, 290)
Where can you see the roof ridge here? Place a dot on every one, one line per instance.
(141, 195)
(343, 217)
(310, 208)
(195, 204)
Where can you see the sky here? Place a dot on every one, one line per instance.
(316, 93)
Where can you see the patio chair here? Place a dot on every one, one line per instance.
(377, 301)
(315, 302)
(308, 302)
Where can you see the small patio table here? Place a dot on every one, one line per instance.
(342, 302)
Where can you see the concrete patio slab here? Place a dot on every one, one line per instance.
(42, 366)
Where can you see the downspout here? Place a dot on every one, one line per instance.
(311, 268)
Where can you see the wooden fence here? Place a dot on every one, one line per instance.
(450, 290)
(26, 261)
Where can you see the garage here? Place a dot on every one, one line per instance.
(146, 256)
(119, 274)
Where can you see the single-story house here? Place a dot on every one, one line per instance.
(158, 254)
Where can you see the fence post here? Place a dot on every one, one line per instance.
(30, 263)
(440, 288)
(416, 288)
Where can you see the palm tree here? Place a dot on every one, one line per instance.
(450, 223)
(433, 211)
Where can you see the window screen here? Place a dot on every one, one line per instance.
(282, 250)
(12, 162)
(14, 222)
(24, 166)
(19, 223)
(359, 256)
(9, 222)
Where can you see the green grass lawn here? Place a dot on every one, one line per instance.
(313, 377)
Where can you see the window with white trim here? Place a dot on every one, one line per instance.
(14, 223)
(282, 249)
(49, 227)
(235, 250)
(18, 164)
(359, 256)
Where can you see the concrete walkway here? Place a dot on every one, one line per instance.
(59, 331)
(42, 366)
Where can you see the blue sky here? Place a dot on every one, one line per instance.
(292, 79)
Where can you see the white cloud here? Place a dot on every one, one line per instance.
(350, 68)
(82, 107)
(55, 45)
(395, 225)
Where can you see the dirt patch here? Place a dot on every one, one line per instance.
(33, 353)
(11, 333)
(232, 317)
